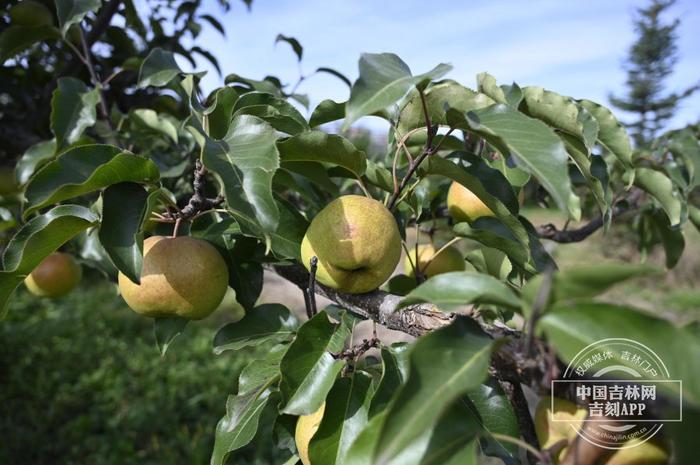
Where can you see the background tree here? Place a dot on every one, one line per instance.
(651, 60)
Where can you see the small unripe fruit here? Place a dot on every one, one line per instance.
(181, 276)
(357, 243)
(463, 205)
(55, 276)
(449, 259)
(307, 425)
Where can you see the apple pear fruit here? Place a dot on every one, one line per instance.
(181, 276)
(449, 259)
(55, 276)
(570, 419)
(635, 452)
(463, 205)
(307, 425)
(357, 243)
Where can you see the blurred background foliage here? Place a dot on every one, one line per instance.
(83, 383)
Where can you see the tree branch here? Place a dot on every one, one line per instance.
(379, 306)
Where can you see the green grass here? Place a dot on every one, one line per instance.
(83, 383)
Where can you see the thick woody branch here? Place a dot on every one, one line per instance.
(379, 306)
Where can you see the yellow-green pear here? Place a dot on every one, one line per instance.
(230, 307)
(570, 419)
(30, 13)
(55, 276)
(634, 452)
(307, 425)
(449, 259)
(463, 205)
(181, 276)
(357, 243)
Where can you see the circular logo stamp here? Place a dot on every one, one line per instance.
(619, 381)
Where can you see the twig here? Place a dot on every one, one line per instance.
(357, 351)
(198, 204)
(104, 112)
(311, 290)
(537, 307)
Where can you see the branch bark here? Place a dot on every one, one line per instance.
(379, 306)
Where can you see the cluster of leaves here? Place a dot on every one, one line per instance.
(44, 43)
(431, 402)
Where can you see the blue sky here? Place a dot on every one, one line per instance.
(575, 48)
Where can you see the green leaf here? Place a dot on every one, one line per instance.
(452, 441)
(33, 158)
(124, 210)
(394, 373)
(335, 73)
(247, 157)
(436, 96)
(561, 113)
(166, 330)
(493, 233)
(671, 238)
(158, 69)
(444, 364)
(361, 451)
(534, 147)
(585, 281)
(296, 46)
(593, 169)
(278, 112)
(308, 368)
(346, 413)
(36, 240)
(261, 371)
(73, 11)
(321, 147)
(326, 112)
(238, 427)
(220, 118)
(266, 85)
(15, 39)
(72, 110)
(662, 189)
(612, 135)
(496, 415)
(486, 84)
(267, 322)
(572, 327)
(159, 123)
(86, 169)
(384, 80)
(694, 216)
(459, 288)
(685, 145)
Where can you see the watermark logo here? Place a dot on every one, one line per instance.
(620, 382)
